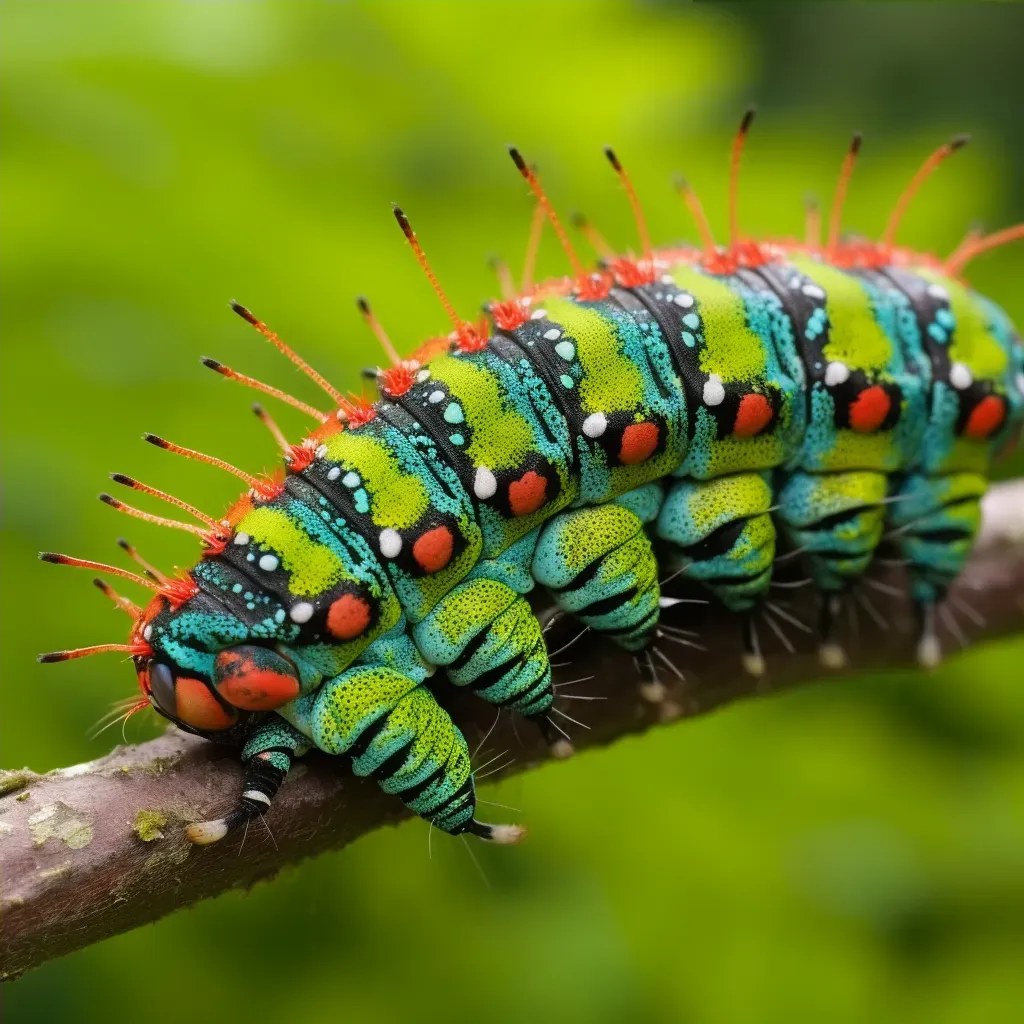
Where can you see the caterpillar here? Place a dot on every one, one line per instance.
(830, 392)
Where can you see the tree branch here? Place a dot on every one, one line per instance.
(96, 849)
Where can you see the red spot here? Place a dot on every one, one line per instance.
(753, 415)
(348, 616)
(507, 316)
(179, 590)
(197, 706)
(433, 549)
(250, 686)
(630, 274)
(395, 381)
(270, 486)
(527, 494)
(638, 443)
(869, 409)
(986, 418)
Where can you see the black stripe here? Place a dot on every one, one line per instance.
(606, 605)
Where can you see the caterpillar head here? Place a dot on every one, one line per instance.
(194, 676)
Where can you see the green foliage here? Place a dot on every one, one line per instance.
(850, 852)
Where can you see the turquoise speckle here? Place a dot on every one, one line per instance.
(938, 333)
(688, 339)
(456, 439)
(567, 381)
(453, 413)
(362, 500)
(248, 595)
(237, 588)
(945, 318)
(250, 605)
(279, 615)
(692, 321)
(351, 479)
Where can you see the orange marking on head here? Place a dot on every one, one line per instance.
(753, 415)
(986, 418)
(253, 687)
(528, 493)
(869, 409)
(638, 443)
(348, 616)
(433, 549)
(197, 706)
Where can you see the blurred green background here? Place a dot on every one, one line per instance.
(851, 852)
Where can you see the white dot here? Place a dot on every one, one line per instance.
(836, 373)
(241, 539)
(714, 392)
(1020, 383)
(390, 543)
(435, 396)
(667, 279)
(147, 633)
(595, 424)
(566, 350)
(794, 283)
(538, 314)
(553, 335)
(812, 291)
(334, 472)
(484, 483)
(321, 451)
(301, 612)
(423, 375)
(268, 563)
(960, 376)
(936, 291)
(351, 479)
(683, 299)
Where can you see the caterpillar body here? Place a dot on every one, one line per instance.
(709, 397)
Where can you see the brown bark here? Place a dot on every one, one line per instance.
(96, 849)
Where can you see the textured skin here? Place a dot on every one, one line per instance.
(701, 408)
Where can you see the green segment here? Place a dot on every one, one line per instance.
(501, 436)
(609, 381)
(399, 499)
(855, 336)
(313, 567)
(732, 349)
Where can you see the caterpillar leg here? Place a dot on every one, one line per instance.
(395, 732)
(725, 534)
(836, 520)
(488, 638)
(599, 566)
(267, 758)
(934, 524)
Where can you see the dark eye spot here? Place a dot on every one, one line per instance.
(161, 689)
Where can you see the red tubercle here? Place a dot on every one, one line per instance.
(469, 339)
(179, 590)
(358, 412)
(395, 381)
(631, 273)
(593, 287)
(749, 253)
(140, 648)
(270, 485)
(214, 542)
(509, 315)
(299, 457)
